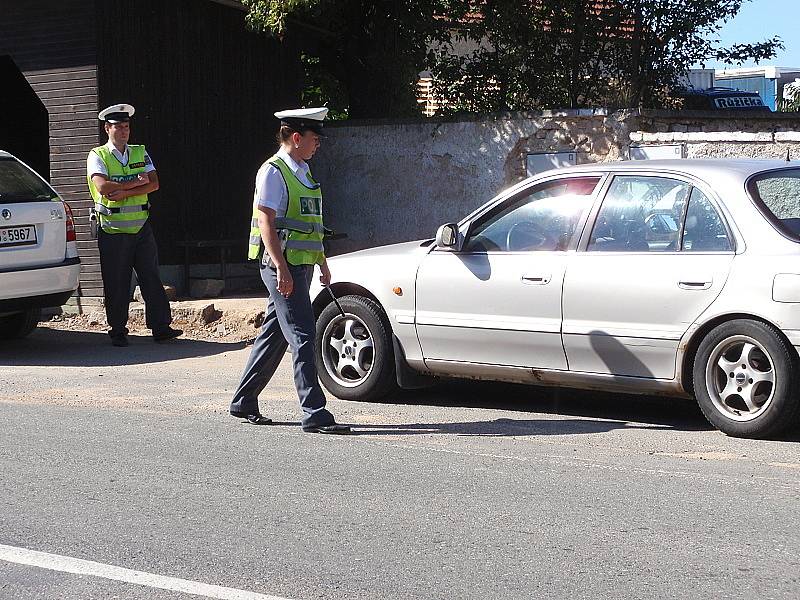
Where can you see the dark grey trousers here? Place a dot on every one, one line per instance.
(120, 255)
(288, 322)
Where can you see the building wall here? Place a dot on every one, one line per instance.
(205, 90)
(53, 42)
(387, 182)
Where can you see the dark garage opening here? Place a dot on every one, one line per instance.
(24, 123)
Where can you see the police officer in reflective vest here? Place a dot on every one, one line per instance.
(120, 178)
(286, 236)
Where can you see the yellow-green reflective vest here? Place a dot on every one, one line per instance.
(300, 229)
(130, 214)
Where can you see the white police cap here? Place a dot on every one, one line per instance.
(116, 113)
(301, 119)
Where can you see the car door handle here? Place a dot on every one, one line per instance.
(535, 279)
(694, 285)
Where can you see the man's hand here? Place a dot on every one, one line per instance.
(141, 179)
(324, 274)
(285, 281)
(117, 195)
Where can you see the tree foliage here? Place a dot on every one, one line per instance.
(363, 56)
(585, 53)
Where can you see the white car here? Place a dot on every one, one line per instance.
(39, 265)
(568, 279)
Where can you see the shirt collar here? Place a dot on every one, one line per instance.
(291, 163)
(114, 150)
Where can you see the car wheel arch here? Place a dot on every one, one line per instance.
(697, 337)
(340, 289)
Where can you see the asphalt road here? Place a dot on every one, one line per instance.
(126, 457)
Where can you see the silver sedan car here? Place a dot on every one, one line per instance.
(679, 278)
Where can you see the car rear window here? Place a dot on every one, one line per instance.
(19, 184)
(777, 194)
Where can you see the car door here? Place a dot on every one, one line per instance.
(631, 292)
(497, 300)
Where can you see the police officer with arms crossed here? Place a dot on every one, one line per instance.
(120, 178)
(287, 221)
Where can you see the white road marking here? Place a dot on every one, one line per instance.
(77, 566)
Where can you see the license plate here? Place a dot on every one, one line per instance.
(24, 235)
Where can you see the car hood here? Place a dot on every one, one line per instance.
(378, 270)
(406, 249)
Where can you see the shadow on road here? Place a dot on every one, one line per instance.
(58, 348)
(675, 413)
(495, 428)
(503, 427)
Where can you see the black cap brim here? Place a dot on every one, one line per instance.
(301, 125)
(119, 117)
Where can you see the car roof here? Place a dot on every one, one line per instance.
(722, 91)
(702, 168)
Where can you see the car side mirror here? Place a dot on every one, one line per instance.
(447, 236)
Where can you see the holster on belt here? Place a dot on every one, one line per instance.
(266, 259)
(93, 223)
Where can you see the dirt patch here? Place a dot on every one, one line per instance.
(199, 320)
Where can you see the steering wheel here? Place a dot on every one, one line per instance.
(527, 235)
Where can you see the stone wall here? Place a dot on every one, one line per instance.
(391, 181)
(709, 135)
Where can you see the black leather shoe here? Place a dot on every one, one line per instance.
(254, 418)
(168, 333)
(330, 428)
(120, 340)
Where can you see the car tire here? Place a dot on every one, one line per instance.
(355, 356)
(745, 379)
(19, 325)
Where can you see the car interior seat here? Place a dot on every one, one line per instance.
(636, 237)
(705, 235)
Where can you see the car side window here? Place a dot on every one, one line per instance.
(543, 219)
(640, 214)
(704, 230)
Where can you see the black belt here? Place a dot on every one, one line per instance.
(139, 208)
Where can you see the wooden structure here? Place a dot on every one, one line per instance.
(204, 88)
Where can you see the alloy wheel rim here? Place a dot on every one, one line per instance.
(348, 350)
(740, 378)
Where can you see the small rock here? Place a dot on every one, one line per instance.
(257, 320)
(172, 293)
(95, 318)
(209, 314)
(221, 329)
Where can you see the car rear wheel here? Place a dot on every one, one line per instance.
(745, 380)
(19, 325)
(355, 359)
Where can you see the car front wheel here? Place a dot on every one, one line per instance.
(355, 358)
(19, 325)
(745, 379)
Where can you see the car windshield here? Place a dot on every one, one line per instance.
(19, 184)
(777, 194)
